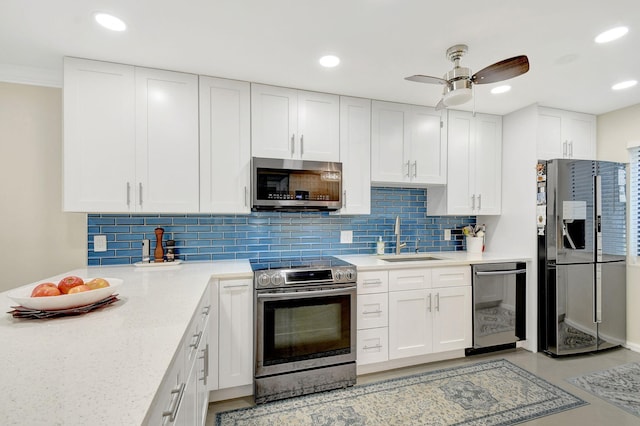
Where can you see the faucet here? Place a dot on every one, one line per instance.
(397, 232)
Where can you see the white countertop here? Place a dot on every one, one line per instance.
(366, 262)
(103, 367)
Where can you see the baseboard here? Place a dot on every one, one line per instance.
(632, 346)
(408, 362)
(231, 393)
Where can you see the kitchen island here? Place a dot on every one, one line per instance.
(103, 367)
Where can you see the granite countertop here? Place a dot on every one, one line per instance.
(103, 367)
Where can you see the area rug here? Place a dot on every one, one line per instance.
(496, 319)
(619, 386)
(487, 393)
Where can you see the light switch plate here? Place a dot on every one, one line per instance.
(346, 237)
(447, 234)
(99, 243)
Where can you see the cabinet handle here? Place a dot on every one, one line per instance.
(301, 145)
(372, 281)
(344, 198)
(571, 149)
(128, 194)
(235, 286)
(206, 310)
(564, 149)
(140, 193)
(195, 344)
(293, 144)
(378, 346)
(379, 311)
(429, 308)
(245, 196)
(473, 202)
(408, 172)
(415, 168)
(205, 366)
(479, 201)
(437, 302)
(175, 403)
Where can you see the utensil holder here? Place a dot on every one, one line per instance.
(474, 244)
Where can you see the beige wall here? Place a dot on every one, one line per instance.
(36, 238)
(616, 130)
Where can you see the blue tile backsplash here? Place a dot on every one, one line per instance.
(267, 235)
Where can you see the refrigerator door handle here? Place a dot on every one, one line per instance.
(597, 295)
(597, 184)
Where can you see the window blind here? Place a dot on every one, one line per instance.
(634, 195)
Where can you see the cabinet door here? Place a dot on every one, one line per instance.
(373, 345)
(388, 164)
(409, 279)
(427, 147)
(579, 131)
(550, 143)
(452, 318)
(225, 146)
(99, 136)
(459, 191)
(235, 333)
(410, 323)
(373, 310)
(166, 141)
(274, 122)
(487, 156)
(373, 282)
(355, 155)
(318, 127)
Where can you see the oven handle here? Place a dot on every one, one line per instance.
(506, 272)
(302, 294)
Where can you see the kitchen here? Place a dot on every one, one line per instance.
(46, 241)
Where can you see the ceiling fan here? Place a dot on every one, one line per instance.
(458, 82)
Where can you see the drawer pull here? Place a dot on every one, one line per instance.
(378, 346)
(206, 310)
(371, 312)
(235, 286)
(197, 342)
(372, 281)
(175, 403)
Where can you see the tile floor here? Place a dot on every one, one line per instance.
(555, 371)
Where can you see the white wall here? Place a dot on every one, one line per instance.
(36, 238)
(616, 130)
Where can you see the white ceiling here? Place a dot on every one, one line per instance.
(379, 41)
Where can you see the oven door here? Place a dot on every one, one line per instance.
(303, 329)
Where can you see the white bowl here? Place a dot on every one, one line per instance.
(22, 296)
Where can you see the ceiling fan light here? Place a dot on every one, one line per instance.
(612, 34)
(624, 85)
(457, 97)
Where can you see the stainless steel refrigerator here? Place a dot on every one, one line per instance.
(581, 215)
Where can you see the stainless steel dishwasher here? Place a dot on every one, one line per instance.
(499, 306)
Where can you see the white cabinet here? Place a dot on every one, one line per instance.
(408, 145)
(372, 317)
(225, 146)
(130, 139)
(235, 333)
(355, 155)
(429, 311)
(288, 123)
(566, 134)
(474, 182)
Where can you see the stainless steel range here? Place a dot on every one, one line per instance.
(305, 330)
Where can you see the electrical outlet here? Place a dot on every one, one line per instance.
(346, 237)
(447, 234)
(99, 243)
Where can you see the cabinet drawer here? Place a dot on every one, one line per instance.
(373, 345)
(373, 310)
(409, 279)
(373, 282)
(452, 276)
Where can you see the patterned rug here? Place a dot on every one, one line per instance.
(487, 393)
(619, 386)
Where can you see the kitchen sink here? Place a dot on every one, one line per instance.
(409, 258)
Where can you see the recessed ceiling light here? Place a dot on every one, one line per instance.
(110, 22)
(624, 85)
(500, 89)
(329, 61)
(612, 34)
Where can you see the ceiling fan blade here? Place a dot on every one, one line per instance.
(440, 105)
(502, 70)
(427, 79)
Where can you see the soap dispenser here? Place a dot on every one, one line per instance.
(380, 246)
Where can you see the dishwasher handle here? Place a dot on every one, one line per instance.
(504, 272)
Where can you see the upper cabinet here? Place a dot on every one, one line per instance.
(355, 154)
(474, 183)
(566, 134)
(408, 145)
(225, 146)
(294, 124)
(130, 139)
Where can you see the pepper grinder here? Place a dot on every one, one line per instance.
(159, 252)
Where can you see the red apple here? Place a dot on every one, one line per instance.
(45, 290)
(67, 283)
(79, 289)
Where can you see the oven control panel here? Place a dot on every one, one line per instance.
(291, 277)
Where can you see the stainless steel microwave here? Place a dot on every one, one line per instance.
(295, 185)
